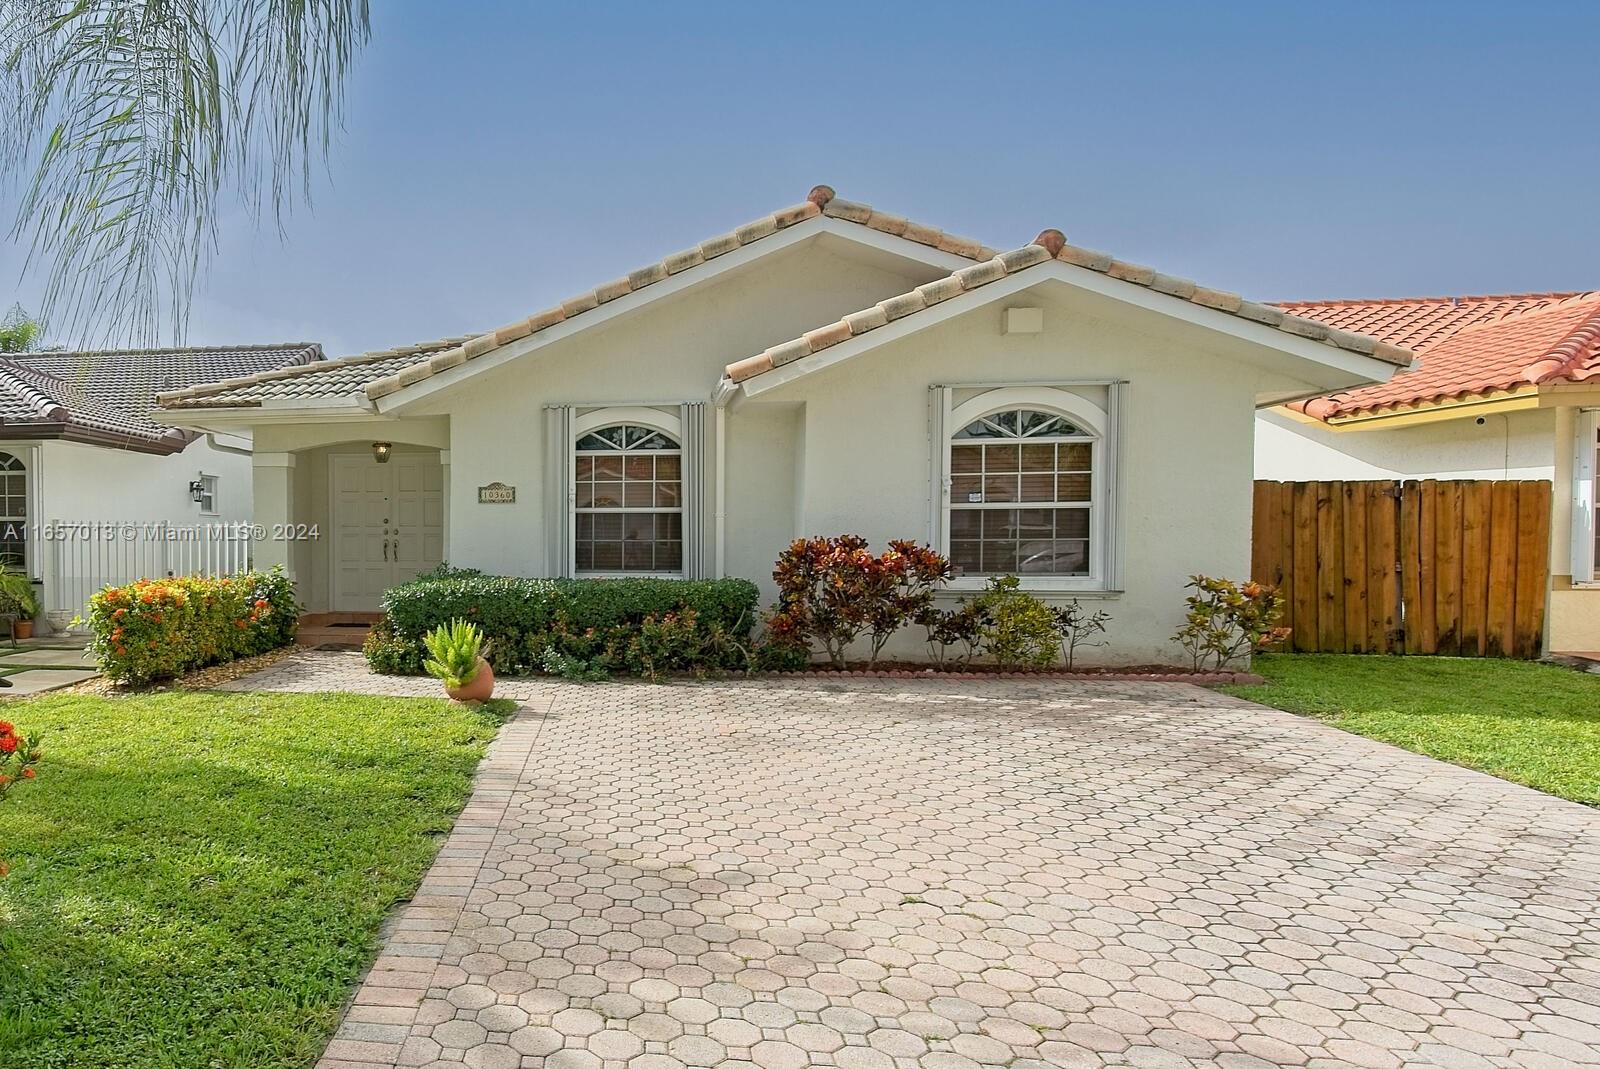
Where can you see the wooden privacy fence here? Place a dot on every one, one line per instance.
(1447, 567)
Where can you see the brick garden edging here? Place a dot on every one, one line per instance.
(375, 1028)
(1204, 679)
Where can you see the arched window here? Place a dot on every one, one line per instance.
(1022, 488)
(13, 512)
(628, 501)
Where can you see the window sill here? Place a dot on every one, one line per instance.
(627, 575)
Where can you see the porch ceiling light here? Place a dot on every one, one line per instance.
(381, 451)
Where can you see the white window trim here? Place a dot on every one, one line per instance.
(640, 416)
(26, 456)
(216, 493)
(1585, 441)
(1104, 575)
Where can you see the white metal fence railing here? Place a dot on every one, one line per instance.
(80, 559)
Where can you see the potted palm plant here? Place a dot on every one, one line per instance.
(19, 601)
(455, 658)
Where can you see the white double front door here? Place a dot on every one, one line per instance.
(388, 524)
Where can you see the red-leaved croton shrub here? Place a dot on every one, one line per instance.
(834, 590)
(18, 754)
(154, 629)
(1226, 620)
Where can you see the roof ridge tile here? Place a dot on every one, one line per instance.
(1051, 246)
(1440, 299)
(821, 201)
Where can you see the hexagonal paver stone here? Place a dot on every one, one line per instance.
(577, 1022)
(692, 1010)
(940, 874)
(770, 1054)
(459, 1035)
(537, 1040)
(502, 1018)
(493, 1056)
(471, 996)
(572, 1058)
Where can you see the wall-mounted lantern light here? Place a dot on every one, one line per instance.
(381, 451)
(197, 491)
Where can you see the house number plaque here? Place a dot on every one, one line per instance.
(497, 494)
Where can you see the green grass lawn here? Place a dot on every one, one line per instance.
(1532, 723)
(198, 879)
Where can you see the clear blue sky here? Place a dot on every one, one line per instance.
(499, 157)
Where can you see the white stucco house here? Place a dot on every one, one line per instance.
(1081, 421)
(1505, 387)
(93, 490)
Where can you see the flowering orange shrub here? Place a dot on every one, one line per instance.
(18, 754)
(160, 628)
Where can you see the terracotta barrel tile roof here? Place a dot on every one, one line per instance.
(378, 374)
(110, 396)
(1051, 246)
(324, 379)
(1416, 322)
(1468, 347)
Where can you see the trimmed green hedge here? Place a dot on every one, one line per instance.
(594, 621)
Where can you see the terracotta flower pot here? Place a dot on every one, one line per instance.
(479, 689)
(23, 629)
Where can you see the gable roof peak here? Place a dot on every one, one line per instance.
(1051, 241)
(1051, 247)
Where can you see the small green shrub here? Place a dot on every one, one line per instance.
(1077, 626)
(674, 642)
(391, 656)
(555, 663)
(781, 647)
(955, 635)
(453, 653)
(155, 629)
(1021, 629)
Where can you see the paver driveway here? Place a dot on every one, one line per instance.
(891, 873)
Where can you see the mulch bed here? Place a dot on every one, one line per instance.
(204, 679)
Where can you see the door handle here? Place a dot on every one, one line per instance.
(385, 549)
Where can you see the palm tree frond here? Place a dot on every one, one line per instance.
(125, 121)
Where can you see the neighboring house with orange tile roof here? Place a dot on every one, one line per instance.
(1048, 411)
(90, 481)
(1506, 387)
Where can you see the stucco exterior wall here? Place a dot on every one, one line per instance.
(1510, 445)
(86, 482)
(848, 448)
(1185, 460)
(80, 483)
(669, 353)
(292, 485)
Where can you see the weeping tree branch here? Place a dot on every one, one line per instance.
(124, 122)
